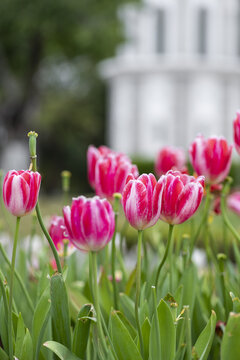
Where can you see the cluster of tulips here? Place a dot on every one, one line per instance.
(130, 331)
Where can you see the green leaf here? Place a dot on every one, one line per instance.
(189, 281)
(3, 325)
(205, 339)
(236, 303)
(3, 355)
(105, 293)
(27, 347)
(146, 327)
(39, 321)
(230, 349)
(167, 334)
(61, 351)
(20, 336)
(127, 308)
(123, 343)
(132, 331)
(60, 311)
(81, 331)
(130, 282)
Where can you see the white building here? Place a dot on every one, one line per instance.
(177, 75)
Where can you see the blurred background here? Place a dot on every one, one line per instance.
(135, 75)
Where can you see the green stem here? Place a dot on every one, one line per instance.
(113, 257)
(170, 232)
(49, 239)
(93, 261)
(65, 250)
(188, 333)
(203, 220)
(33, 156)
(226, 220)
(10, 342)
(19, 279)
(138, 288)
(157, 321)
(221, 263)
(145, 258)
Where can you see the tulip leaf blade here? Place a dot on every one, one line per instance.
(230, 349)
(204, 342)
(3, 355)
(19, 336)
(60, 350)
(60, 311)
(146, 328)
(167, 330)
(81, 331)
(123, 343)
(27, 347)
(40, 319)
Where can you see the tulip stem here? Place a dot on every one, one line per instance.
(49, 239)
(170, 232)
(19, 279)
(225, 218)
(32, 150)
(203, 220)
(138, 288)
(113, 258)
(93, 262)
(10, 343)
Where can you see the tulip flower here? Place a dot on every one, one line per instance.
(233, 202)
(170, 158)
(236, 131)
(89, 222)
(93, 154)
(108, 171)
(177, 196)
(211, 158)
(59, 235)
(137, 200)
(20, 191)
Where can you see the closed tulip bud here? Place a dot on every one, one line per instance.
(177, 196)
(137, 200)
(236, 132)
(211, 158)
(89, 222)
(20, 191)
(233, 202)
(170, 158)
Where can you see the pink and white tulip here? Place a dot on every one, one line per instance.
(170, 158)
(89, 222)
(137, 200)
(20, 191)
(177, 196)
(58, 233)
(211, 157)
(108, 171)
(93, 154)
(236, 132)
(233, 202)
(111, 174)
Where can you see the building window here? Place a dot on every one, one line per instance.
(160, 30)
(202, 31)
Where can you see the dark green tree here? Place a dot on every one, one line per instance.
(49, 50)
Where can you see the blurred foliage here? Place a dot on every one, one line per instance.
(49, 81)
